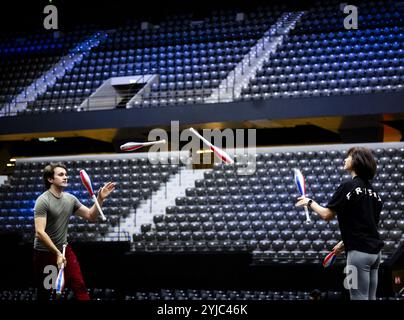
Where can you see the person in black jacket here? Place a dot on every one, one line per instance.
(357, 206)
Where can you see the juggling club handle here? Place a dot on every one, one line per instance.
(99, 208)
(306, 210)
(64, 250)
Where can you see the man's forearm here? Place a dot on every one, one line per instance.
(47, 241)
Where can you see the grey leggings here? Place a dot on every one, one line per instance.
(367, 267)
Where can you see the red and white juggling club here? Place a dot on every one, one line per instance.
(60, 280)
(132, 146)
(219, 152)
(301, 186)
(329, 259)
(87, 184)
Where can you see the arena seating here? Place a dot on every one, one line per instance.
(321, 58)
(189, 294)
(108, 294)
(174, 294)
(190, 57)
(26, 56)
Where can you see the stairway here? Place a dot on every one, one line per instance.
(230, 88)
(160, 200)
(48, 79)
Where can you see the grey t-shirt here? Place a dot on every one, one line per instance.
(57, 212)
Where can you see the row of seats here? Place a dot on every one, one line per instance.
(186, 50)
(321, 93)
(265, 77)
(108, 294)
(323, 84)
(192, 294)
(347, 35)
(329, 16)
(335, 67)
(32, 38)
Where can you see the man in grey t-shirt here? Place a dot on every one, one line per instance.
(52, 212)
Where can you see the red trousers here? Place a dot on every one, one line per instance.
(73, 277)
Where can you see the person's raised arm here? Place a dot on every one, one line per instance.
(92, 213)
